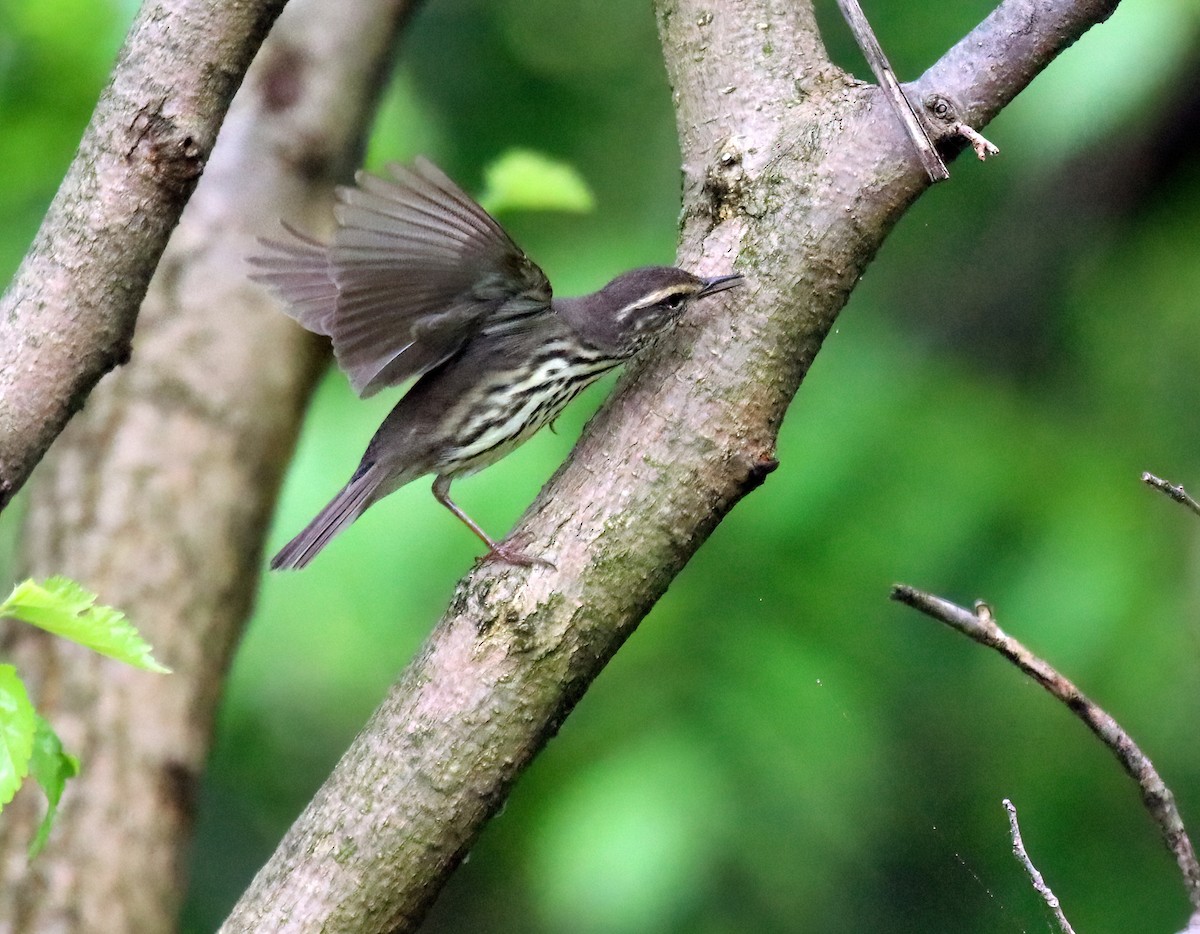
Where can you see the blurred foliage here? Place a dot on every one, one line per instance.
(523, 180)
(779, 748)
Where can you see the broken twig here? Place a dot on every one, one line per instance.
(873, 52)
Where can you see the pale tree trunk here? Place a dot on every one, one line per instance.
(793, 173)
(158, 494)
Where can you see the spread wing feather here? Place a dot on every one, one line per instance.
(298, 270)
(415, 269)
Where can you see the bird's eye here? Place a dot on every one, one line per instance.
(673, 301)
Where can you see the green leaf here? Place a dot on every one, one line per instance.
(51, 765)
(522, 180)
(18, 721)
(64, 608)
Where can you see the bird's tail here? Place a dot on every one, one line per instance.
(343, 509)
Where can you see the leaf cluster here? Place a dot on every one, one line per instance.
(28, 744)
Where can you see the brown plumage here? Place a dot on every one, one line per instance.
(419, 280)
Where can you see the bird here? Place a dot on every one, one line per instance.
(420, 281)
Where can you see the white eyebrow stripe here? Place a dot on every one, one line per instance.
(653, 299)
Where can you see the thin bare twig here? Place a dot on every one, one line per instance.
(1156, 796)
(873, 52)
(946, 121)
(1177, 493)
(983, 146)
(1039, 884)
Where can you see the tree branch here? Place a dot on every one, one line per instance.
(1173, 491)
(793, 170)
(1156, 796)
(158, 495)
(67, 317)
(1035, 877)
(990, 65)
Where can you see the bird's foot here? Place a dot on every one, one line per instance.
(502, 551)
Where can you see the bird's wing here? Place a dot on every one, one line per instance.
(298, 269)
(415, 269)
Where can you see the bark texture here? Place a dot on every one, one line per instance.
(793, 172)
(158, 495)
(68, 316)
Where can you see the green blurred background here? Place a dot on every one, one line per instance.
(779, 748)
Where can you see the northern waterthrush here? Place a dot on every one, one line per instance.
(419, 280)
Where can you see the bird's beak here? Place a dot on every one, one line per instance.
(719, 284)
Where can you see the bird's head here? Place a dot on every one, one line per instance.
(638, 305)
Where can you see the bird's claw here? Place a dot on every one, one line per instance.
(510, 555)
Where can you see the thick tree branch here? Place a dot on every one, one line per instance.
(67, 317)
(794, 172)
(158, 494)
(984, 71)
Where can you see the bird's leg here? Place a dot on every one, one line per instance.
(497, 551)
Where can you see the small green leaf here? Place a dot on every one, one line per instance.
(64, 608)
(18, 721)
(522, 180)
(51, 765)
